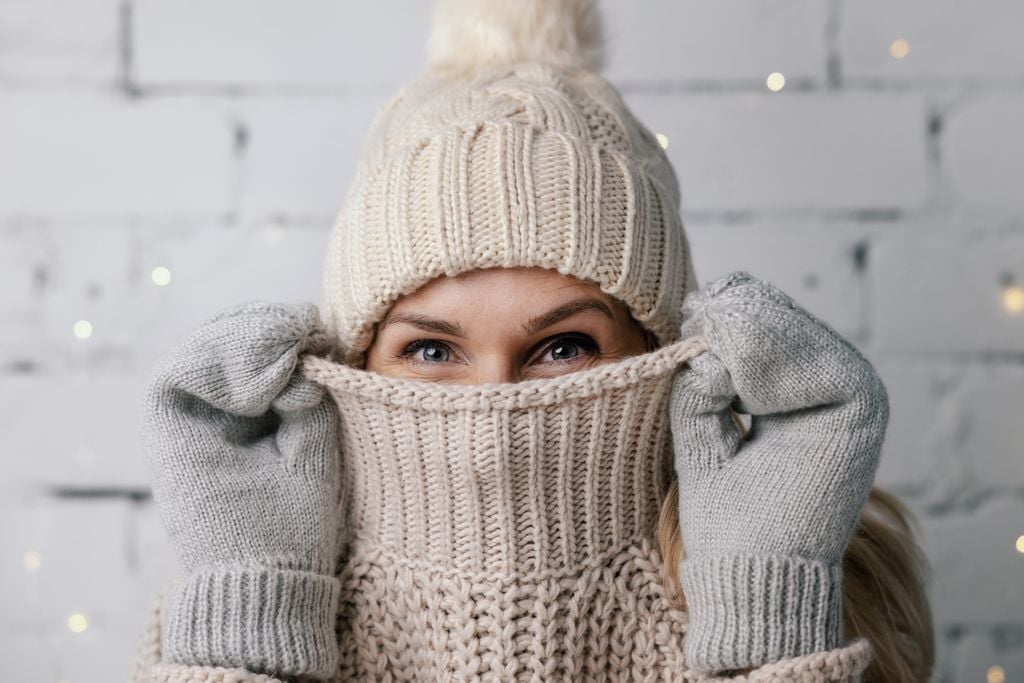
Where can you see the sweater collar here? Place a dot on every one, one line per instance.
(537, 476)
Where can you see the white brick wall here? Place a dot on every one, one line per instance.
(950, 41)
(298, 162)
(985, 163)
(59, 42)
(281, 45)
(73, 153)
(218, 138)
(952, 287)
(728, 42)
(816, 266)
(792, 150)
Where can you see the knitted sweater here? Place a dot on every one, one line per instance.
(506, 532)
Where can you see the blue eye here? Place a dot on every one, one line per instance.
(564, 348)
(434, 351)
(569, 348)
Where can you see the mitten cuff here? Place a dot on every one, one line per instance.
(262, 619)
(746, 610)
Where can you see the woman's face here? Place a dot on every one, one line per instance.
(502, 325)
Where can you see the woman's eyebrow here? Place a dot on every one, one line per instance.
(424, 323)
(569, 308)
(531, 326)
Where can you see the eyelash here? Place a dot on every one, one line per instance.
(588, 344)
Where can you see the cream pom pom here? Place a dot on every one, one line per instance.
(467, 34)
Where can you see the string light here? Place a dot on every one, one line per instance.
(77, 622)
(775, 81)
(1013, 298)
(161, 276)
(1020, 544)
(662, 140)
(83, 329)
(996, 674)
(899, 48)
(32, 560)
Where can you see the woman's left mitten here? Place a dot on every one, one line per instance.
(766, 521)
(243, 456)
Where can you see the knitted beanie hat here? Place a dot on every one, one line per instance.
(509, 150)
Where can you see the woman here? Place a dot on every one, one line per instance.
(509, 451)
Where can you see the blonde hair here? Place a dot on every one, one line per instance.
(884, 583)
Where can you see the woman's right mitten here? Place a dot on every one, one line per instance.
(243, 456)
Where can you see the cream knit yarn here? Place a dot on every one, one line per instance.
(509, 150)
(506, 532)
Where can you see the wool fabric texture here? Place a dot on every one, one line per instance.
(516, 522)
(242, 456)
(767, 520)
(504, 532)
(485, 532)
(509, 158)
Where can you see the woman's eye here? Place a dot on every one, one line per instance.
(570, 348)
(433, 351)
(563, 349)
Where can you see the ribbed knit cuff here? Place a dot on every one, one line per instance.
(264, 620)
(748, 610)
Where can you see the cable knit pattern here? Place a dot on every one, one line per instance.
(842, 665)
(506, 519)
(506, 479)
(502, 531)
(507, 532)
(604, 620)
(846, 664)
(522, 165)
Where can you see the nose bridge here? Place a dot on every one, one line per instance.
(496, 366)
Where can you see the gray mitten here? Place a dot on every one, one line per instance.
(243, 454)
(766, 521)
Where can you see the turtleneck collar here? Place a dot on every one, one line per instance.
(534, 477)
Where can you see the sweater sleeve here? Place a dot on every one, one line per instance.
(165, 672)
(845, 664)
(148, 667)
